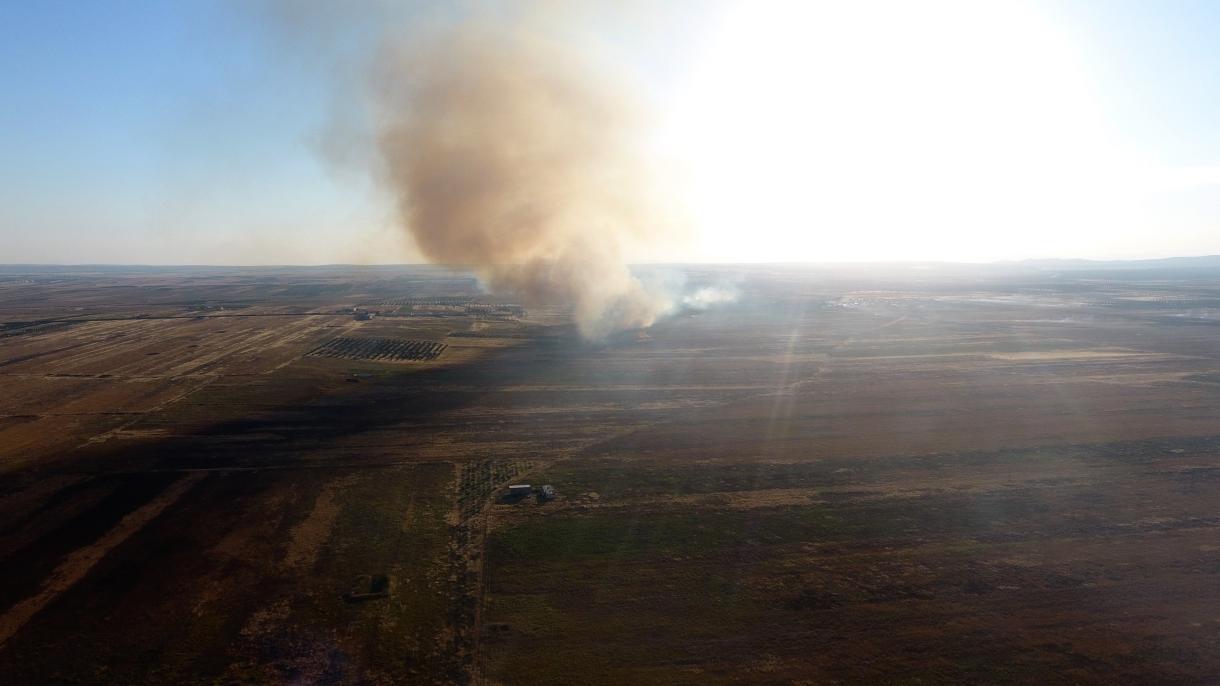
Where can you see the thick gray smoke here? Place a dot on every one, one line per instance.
(511, 152)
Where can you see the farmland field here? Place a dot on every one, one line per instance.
(1000, 474)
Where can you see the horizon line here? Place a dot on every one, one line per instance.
(776, 263)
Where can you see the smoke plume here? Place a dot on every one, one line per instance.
(512, 152)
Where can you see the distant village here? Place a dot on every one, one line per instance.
(437, 307)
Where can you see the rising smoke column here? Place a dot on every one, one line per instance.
(511, 152)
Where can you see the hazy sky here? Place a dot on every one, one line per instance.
(206, 132)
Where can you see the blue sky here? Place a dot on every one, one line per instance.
(189, 132)
(155, 131)
(1158, 70)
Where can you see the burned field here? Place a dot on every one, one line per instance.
(932, 476)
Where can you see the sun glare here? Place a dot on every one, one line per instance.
(867, 131)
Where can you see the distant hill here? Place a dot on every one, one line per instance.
(1199, 262)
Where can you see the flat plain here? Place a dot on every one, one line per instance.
(912, 474)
